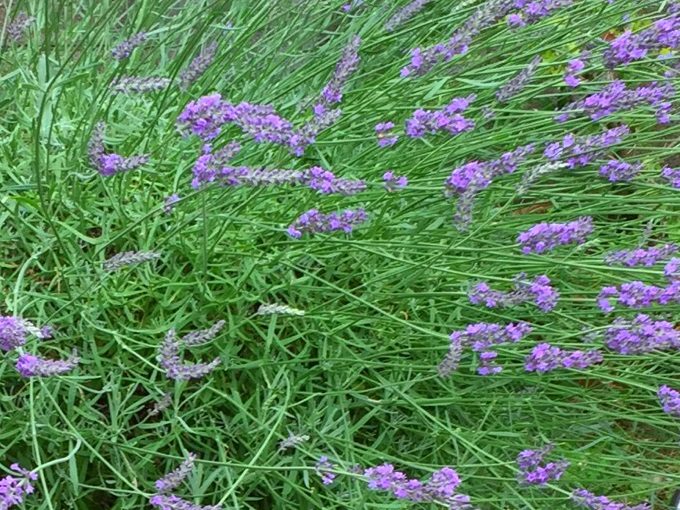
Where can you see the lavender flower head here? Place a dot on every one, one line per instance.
(108, 164)
(641, 335)
(481, 337)
(324, 468)
(641, 256)
(518, 83)
(618, 171)
(589, 500)
(13, 489)
(29, 365)
(314, 221)
(172, 502)
(346, 66)
(545, 237)
(169, 203)
(203, 336)
(447, 119)
(581, 151)
(441, 487)
(128, 258)
(630, 47)
(272, 309)
(574, 69)
(16, 30)
(533, 469)
(617, 97)
(404, 14)
(204, 117)
(538, 291)
(139, 84)
(637, 294)
(670, 400)
(292, 441)
(172, 480)
(14, 330)
(170, 360)
(197, 66)
(671, 175)
(124, 49)
(545, 358)
(394, 182)
(385, 138)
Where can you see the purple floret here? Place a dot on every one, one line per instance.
(545, 237)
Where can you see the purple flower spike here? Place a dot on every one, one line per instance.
(548, 236)
(108, 164)
(204, 117)
(481, 337)
(139, 84)
(574, 69)
(533, 470)
(641, 256)
(671, 175)
(538, 290)
(346, 66)
(324, 469)
(394, 182)
(169, 203)
(587, 499)
(641, 335)
(518, 82)
(197, 66)
(172, 502)
(404, 14)
(170, 361)
(630, 47)
(616, 97)
(617, 171)
(545, 358)
(13, 489)
(314, 221)
(581, 151)
(17, 29)
(29, 365)
(672, 269)
(468, 180)
(637, 294)
(670, 400)
(172, 480)
(124, 49)
(448, 119)
(385, 138)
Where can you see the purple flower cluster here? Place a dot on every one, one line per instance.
(29, 365)
(617, 171)
(209, 165)
(441, 487)
(548, 236)
(139, 84)
(672, 269)
(641, 256)
(346, 66)
(170, 360)
(128, 258)
(575, 68)
(384, 135)
(641, 335)
(447, 119)
(531, 11)
(582, 150)
(518, 82)
(17, 28)
(535, 471)
(545, 358)
(170, 202)
(172, 480)
(394, 182)
(537, 290)
(617, 97)
(404, 14)
(637, 294)
(197, 66)
(107, 163)
(124, 49)
(168, 483)
(14, 330)
(314, 221)
(671, 175)
(203, 117)
(13, 489)
(323, 468)
(468, 180)
(481, 337)
(670, 400)
(589, 500)
(629, 47)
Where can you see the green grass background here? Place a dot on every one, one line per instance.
(358, 372)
